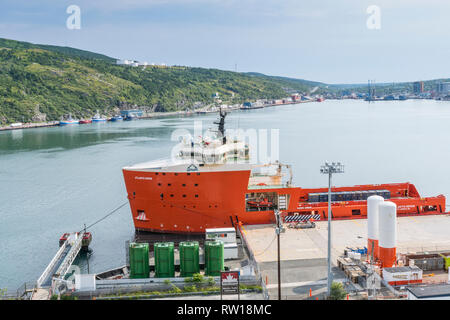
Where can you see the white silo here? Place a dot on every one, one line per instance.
(372, 225)
(387, 232)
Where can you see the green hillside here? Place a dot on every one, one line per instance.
(46, 82)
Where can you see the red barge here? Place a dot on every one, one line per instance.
(204, 190)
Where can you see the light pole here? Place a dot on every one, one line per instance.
(279, 229)
(330, 168)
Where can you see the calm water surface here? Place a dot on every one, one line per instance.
(53, 180)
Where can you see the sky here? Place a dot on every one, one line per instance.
(331, 41)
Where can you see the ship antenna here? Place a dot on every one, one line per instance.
(221, 124)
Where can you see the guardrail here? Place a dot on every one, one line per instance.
(71, 255)
(51, 265)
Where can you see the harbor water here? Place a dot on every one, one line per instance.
(55, 180)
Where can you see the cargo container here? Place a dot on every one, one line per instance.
(139, 263)
(164, 260)
(189, 258)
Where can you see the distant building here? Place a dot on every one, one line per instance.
(429, 292)
(418, 87)
(132, 63)
(124, 62)
(443, 87)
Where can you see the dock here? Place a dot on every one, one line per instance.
(304, 251)
(54, 273)
(30, 125)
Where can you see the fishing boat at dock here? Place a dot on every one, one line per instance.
(98, 118)
(68, 121)
(116, 118)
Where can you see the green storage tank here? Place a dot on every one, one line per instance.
(213, 258)
(164, 260)
(189, 258)
(139, 263)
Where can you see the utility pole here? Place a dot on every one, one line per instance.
(279, 229)
(330, 168)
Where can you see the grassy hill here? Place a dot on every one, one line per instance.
(46, 82)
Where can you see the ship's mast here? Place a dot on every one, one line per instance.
(221, 124)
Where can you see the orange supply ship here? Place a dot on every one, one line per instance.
(201, 189)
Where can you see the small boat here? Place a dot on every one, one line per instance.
(69, 120)
(85, 121)
(116, 118)
(98, 118)
(129, 118)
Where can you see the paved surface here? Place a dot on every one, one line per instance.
(41, 294)
(304, 251)
(414, 234)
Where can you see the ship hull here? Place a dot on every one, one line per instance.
(177, 200)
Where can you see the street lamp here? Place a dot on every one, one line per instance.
(279, 229)
(330, 168)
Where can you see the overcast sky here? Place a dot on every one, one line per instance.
(321, 40)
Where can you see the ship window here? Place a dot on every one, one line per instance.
(176, 174)
(196, 185)
(198, 173)
(156, 173)
(164, 173)
(159, 184)
(184, 196)
(196, 195)
(184, 185)
(171, 195)
(356, 212)
(169, 184)
(188, 174)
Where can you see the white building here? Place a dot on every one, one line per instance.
(443, 87)
(429, 292)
